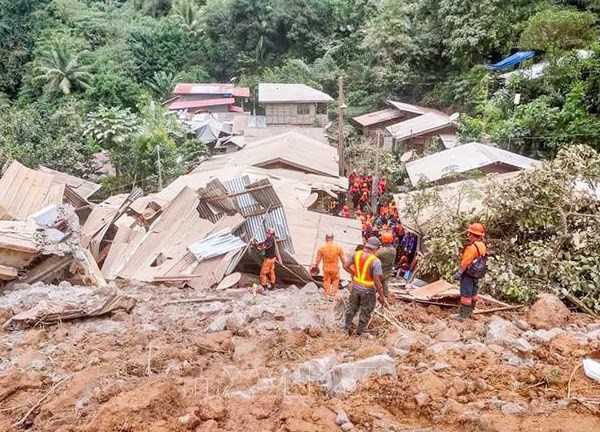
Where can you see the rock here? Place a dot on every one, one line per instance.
(422, 399)
(341, 418)
(548, 312)
(314, 371)
(208, 426)
(441, 366)
(520, 362)
(480, 384)
(307, 320)
(64, 284)
(522, 345)
(189, 421)
(500, 331)
(511, 408)
(400, 344)
(441, 349)
(212, 409)
(347, 427)
(544, 335)
(422, 366)
(522, 325)
(448, 335)
(217, 325)
(311, 287)
(345, 377)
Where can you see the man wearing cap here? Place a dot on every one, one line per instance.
(267, 248)
(366, 271)
(330, 253)
(475, 249)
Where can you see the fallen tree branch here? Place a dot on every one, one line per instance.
(571, 379)
(40, 400)
(498, 309)
(200, 300)
(581, 305)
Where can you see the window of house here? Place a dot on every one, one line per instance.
(322, 108)
(303, 109)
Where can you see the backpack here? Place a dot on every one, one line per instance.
(478, 266)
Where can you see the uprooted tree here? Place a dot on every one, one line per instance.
(543, 230)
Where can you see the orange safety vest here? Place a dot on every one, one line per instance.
(362, 264)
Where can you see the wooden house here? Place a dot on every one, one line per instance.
(293, 104)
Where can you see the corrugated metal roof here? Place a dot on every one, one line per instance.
(24, 191)
(180, 105)
(381, 116)
(468, 195)
(215, 245)
(83, 188)
(290, 93)
(292, 149)
(211, 88)
(449, 140)
(462, 159)
(420, 125)
(415, 109)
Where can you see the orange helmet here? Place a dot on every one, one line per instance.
(476, 229)
(387, 238)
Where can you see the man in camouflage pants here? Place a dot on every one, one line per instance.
(365, 269)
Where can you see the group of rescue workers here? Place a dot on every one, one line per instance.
(371, 266)
(386, 251)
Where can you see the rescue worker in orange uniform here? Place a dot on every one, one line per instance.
(267, 270)
(330, 253)
(366, 271)
(345, 213)
(474, 250)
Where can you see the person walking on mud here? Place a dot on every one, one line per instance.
(331, 254)
(366, 271)
(472, 267)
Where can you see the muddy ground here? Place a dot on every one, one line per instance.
(233, 366)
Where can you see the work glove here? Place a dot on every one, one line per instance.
(457, 275)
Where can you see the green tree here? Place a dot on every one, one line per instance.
(111, 128)
(162, 84)
(189, 16)
(559, 29)
(61, 71)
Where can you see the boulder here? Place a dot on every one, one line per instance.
(401, 344)
(448, 335)
(544, 336)
(500, 331)
(341, 418)
(314, 371)
(311, 287)
(345, 377)
(440, 366)
(218, 324)
(511, 408)
(548, 312)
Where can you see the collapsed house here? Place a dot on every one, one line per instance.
(201, 227)
(40, 212)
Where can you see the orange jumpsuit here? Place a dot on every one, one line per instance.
(330, 254)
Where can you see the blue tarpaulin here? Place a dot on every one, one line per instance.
(512, 60)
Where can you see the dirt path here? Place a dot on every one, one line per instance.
(233, 366)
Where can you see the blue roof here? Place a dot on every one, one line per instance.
(511, 60)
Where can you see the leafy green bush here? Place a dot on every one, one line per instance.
(542, 229)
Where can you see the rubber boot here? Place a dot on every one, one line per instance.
(464, 313)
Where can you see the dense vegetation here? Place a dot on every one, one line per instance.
(78, 76)
(542, 227)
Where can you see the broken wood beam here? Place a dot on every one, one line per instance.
(498, 309)
(8, 273)
(198, 300)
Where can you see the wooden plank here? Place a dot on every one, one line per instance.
(8, 273)
(438, 288)
(93, 275)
